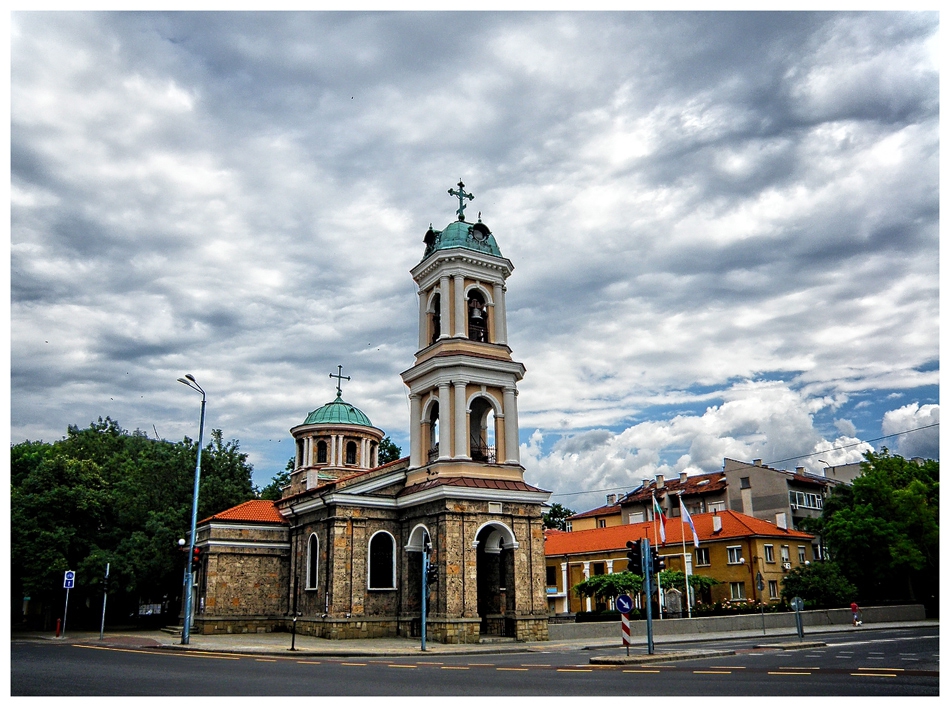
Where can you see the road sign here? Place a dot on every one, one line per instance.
(759, 582)
(625, 630)
(69, 580)
(624, 604)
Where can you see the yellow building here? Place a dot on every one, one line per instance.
(733, 549)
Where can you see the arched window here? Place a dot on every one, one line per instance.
(477, 317)
(313, 559)
(382, 561)
(433, 451)
(321, 452)
(299, 453)
(435, 316)
(351, 452)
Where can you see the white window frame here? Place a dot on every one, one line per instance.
(702, 553)
(369, 562)
(736, 590)
(773, 589)
(715, 506)
(770, 553)
(733, 554)
(313, 563)
(802, 555)
(786, 557)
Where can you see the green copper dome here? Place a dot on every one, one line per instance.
(461, 234)
(339, 412)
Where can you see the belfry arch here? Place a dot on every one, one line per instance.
(485, 427)
(496, 586)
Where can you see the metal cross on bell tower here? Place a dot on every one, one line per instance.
(339, 379)
(462, 195)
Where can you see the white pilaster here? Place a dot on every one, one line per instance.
(460, 304)
(512, 453)
(501, 325)
(460, 427)
(415, 432)
(423, 321)
(444, 305)
(445, 422)
(586, 577)
(565, 588)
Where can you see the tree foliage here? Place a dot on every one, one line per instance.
(104, 495)
(556, 518)
(609, 586)
(821, 584)
(388, 451)
(275, 489)
(676, 579)
(883, 530)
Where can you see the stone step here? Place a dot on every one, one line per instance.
(497, 639)
(174, 630)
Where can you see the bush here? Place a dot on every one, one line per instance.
(821, 585)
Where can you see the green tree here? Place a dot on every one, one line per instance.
(821, 584)
(556, 518)
(676, 579)
(389, 451)
(274, 490)
(609, 586)
(883, 531)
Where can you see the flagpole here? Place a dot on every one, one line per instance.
(689, 609)
(659, 587)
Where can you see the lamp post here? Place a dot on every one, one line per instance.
(190, 381)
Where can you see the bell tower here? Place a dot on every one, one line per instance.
(463, 386)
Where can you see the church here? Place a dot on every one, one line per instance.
(343, 550)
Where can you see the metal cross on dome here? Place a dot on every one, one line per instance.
(462, 195)
(339, 379)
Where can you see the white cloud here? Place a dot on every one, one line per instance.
(924, 443)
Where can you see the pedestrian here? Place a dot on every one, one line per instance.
(855, 613)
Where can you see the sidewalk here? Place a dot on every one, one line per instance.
(307, 646)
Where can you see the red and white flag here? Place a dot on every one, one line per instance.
(658, 514)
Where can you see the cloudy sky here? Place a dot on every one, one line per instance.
(724, 227)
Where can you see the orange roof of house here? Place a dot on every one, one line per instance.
(608, 510)
(255, 511)
(734, 525)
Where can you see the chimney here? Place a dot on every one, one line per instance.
(682, 477)
(659, 481)
(756, 462)
(611, 499)
(717, 523)
(799, 470)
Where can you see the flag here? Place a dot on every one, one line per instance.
(689, 519)
(658, 513)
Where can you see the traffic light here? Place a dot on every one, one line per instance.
(196, 559)
(432, 575)
(104, 585)
(634, 557)
(657, 563)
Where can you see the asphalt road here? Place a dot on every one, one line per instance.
(896, 662)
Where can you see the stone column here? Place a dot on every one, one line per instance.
(460, 426)
(444, 307)
(567, 590)
(459, 296)
(501, 326)
(415, 432)
(423, 321)
(586, 577)
(445, 422)
(512, 453)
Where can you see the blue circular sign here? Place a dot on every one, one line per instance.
(624, 604)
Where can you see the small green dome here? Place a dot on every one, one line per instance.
(339, 412)
(461, 234)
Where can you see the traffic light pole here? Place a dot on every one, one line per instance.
(105, 593)
(647, 561)
(425, 591)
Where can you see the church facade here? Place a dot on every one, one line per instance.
(343, 549)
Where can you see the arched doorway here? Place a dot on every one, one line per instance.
(482, 430)
(495, 545)
(419, 540)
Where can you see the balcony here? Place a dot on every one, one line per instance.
(483, 453)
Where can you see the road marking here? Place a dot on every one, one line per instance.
(454, 667)
(266, 660)
(309, 662)
(876, 675)
(728, 667)
(399, 665)
(427, 662)
(484, 665)
(574, 670)
(179, 654)
(786, 672)
(914, 659)
(352, 663)
(641, 671)
(524, 670)
(796, 667)
(535, 665)
(900, 670)
(712, 672)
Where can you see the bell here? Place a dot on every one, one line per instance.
(475, 314)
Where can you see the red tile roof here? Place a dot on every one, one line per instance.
(464, 481)
(695, 485)
(734, 525)
(255, 511)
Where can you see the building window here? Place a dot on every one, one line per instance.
(435, 325)
(744, 483)
(801, 554)
(598, 568)
(702, 556)
(321, 452)
(299, 453)
(716, 506)
(551, 576)
(785, 555)
(737, 590)
(734, 554)
(769, 553)
(601, 522)
(495, 507)
(635, 517)
(351, 452)
(773, 589)
(567, 526)
(382, 561)
(798, 499)
(313, 558)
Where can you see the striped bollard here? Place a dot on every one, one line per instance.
(625, 630)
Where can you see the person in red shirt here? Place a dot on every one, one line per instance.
(855, 611)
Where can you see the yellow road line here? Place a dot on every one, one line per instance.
(352, 663)
(897, 670)
(728, 667)
(266, 660)
(574, 670)
(641, 671)
(399, 665)
(786, 672)
(428, 662)
(523, 670)
(454, 667)
(795, 667)
(535, 665)
(188, 654)
(309, 662)
(712, 672)
(486, 665)
(876, 675)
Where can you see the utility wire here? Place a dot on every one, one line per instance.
(778, 461)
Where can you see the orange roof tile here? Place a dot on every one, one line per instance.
(608, 510)
(255, 511)
(734, 525)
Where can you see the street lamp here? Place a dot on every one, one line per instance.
(190, 381)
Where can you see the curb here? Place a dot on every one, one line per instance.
(656, 657)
